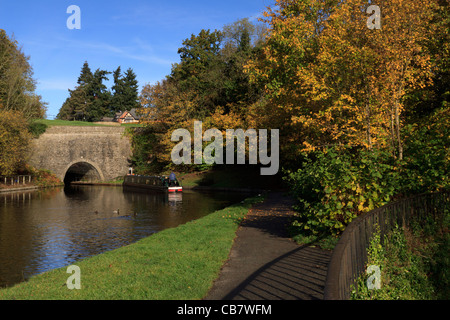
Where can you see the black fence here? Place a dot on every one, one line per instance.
(349, 257)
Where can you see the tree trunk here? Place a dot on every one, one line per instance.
(369, 133)
(397, 124)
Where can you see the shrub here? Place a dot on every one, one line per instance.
(37, 128)
(44, 178)
(143, 143)
(427, 155)
(414, 264)
(336, 185)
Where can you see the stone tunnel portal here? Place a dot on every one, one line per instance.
(82, 153)
(82, 171)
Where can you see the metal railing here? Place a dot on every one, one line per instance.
(15, 180)
(349, 257)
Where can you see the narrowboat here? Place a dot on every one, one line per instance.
(160, 183)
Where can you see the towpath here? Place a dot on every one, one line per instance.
(265, 264)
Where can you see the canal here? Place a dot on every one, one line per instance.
(52, 228)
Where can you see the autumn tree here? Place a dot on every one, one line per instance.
(14, 140)
(337, 90)
(423, 102)
(19, 104)
(165, 109)
(17, 86)
(208, 84)
(405, 62)
(334, 80)
(365, 73)
(283, 68)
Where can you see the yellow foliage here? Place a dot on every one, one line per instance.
(14, 140)
(331, 80)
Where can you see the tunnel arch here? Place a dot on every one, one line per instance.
(82, 169)
(107, 149)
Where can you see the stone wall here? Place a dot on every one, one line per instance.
(104, 148)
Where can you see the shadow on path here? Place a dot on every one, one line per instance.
(265, 264)
(297, 275)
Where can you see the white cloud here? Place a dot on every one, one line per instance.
(140, 51)
(55, 84)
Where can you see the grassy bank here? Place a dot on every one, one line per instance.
(179, 263)
(413, 262)
(50, 123)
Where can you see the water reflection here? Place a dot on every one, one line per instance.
(53, 228)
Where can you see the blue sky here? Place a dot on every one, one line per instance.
(142, 35)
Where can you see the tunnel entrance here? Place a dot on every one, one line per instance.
(81, 171)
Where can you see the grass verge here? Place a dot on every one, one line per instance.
(414, 264)
(174, 264)
(50, 123)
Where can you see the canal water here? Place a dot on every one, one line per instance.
(52, 228)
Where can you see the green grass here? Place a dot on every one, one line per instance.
(81, 123)
(67, 123)
(414, 264)
(174, 264)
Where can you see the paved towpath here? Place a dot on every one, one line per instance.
(265, 264)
